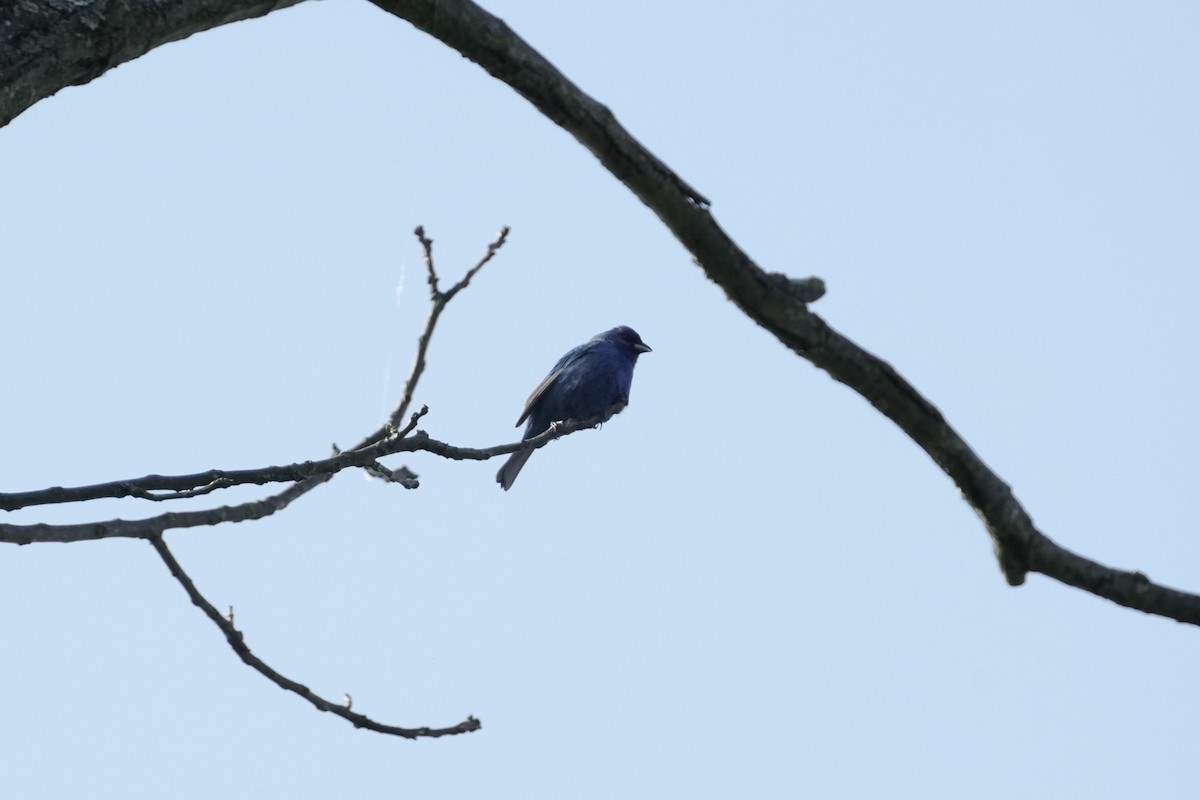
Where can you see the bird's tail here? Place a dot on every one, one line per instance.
(508, 473)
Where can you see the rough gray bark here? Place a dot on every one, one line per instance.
(103, 34)
(47, 45)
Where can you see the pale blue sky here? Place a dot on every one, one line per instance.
(749, 584)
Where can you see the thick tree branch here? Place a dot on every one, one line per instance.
(779, 303)
(46, 46)
(235, 639)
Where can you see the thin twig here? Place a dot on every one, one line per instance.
(438, 302)
(237, 641)
(384, 441)
(427, 251)
(492, 249)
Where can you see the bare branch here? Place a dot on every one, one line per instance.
(236, 641)
(492, 249)
(152, 487)
(412, 422)
(320, 471)
(385, 441)
(154, 526)
(430, 270)
(420, 441)
(439, 300)
(175, 487)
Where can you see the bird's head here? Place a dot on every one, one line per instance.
(627, 339)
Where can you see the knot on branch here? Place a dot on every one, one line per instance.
(804, 290)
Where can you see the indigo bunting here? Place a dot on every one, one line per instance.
(586, 382)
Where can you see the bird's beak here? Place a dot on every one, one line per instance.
(641, 347)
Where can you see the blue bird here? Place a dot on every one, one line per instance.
(586, 382)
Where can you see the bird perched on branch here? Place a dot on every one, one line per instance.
(589, 380)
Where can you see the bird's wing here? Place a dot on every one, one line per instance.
(572, 355)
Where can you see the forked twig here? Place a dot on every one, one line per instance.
(390, 438)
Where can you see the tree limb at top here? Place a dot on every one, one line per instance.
(46, 45)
